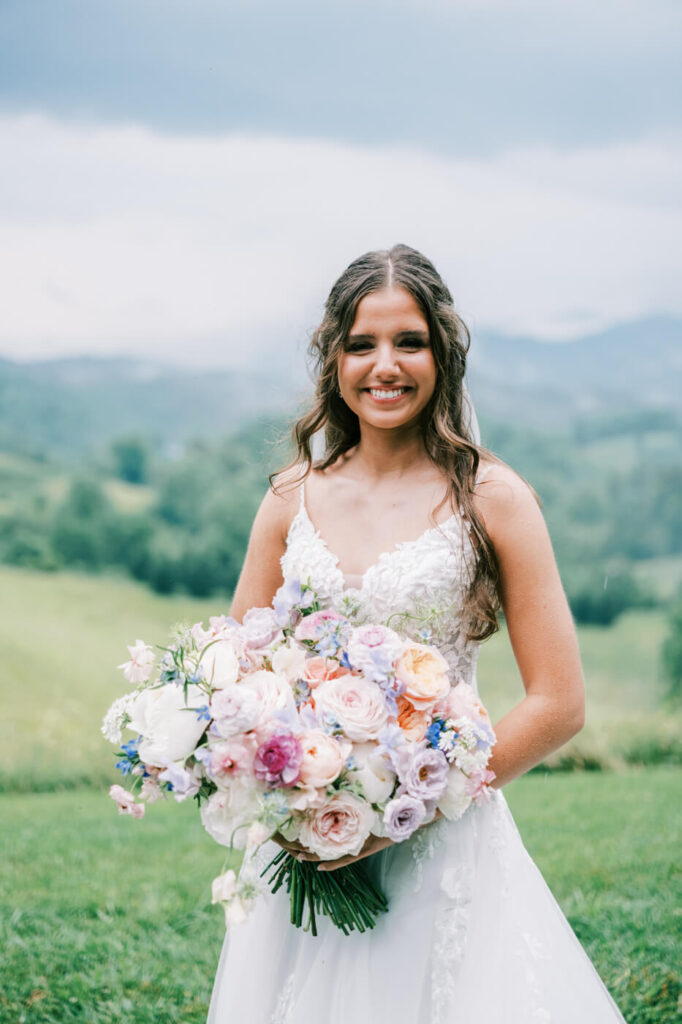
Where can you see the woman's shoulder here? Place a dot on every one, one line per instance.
(502, 495)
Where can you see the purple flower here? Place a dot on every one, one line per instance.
(403, 816)
(424, 772)
(287, 598)
(278, 760)
(259, 628)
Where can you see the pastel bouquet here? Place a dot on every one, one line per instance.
(300, 724)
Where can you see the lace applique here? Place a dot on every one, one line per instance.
(424, 844)
(285, 1003)
(531, 950)
(451, 929)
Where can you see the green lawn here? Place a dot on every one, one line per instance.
(103, 919)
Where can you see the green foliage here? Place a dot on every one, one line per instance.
(131, 459)
(671, 651)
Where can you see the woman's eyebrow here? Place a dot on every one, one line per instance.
(401, 334)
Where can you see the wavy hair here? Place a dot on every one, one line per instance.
(446, 434)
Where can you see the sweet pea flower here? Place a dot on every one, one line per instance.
(126, 802)
(139, 668)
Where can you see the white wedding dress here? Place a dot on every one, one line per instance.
(473, 932)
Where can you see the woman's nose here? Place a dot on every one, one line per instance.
(386, 358)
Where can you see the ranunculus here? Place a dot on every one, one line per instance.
(235, 709)
(403, 816)
(260, 628)
(424, 673)
(170, 728)
(289, 661)
(456, 797)
(323, 757)
(278, 760)
(321, 670)
(424, 772)
(220, 663)
(139, 668)
(272, 692)
(126, 802)
(414, 723)
(373, 772)
(227, 814)
(339, 828)
(356, 704)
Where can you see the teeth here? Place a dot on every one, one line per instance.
(384, 393)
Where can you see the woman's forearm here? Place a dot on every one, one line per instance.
(536, 727)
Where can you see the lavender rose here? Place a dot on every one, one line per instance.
(424, 773)
(278, 760)
(403, 816)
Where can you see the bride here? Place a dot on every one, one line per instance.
(405, 515)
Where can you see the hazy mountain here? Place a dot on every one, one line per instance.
(72, 405)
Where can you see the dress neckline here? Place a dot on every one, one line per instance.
(383, 557)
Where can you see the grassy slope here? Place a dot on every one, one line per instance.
(105, 919)
(62, 636)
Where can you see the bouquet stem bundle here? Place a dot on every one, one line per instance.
(347, 896)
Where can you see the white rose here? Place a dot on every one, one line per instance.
(289, 661)
(227, 810)
(170, 728)
(339, 828)
(373, 772)
(357, 705)
(272, 692)
(220, 663)
(455, 799)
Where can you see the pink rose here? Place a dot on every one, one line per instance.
(320, 670)
(313, 626)
(462, 701)
(323, 758)
(339, 828)
(272, 692)
(357, 705)
(424, 673)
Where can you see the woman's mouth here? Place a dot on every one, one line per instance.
(387, 394)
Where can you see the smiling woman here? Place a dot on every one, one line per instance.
(469, 911)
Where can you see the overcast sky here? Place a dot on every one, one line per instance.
(188, 178)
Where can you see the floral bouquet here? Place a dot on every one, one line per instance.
(300, 724)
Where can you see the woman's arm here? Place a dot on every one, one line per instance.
(261, 573)
(540, 627)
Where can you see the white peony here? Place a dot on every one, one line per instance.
(220, 663)
(170, 729)
(227, 810)
(456, 799)
(373, 772)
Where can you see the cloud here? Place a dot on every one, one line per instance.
(122, 239)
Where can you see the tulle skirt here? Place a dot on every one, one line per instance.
(473, 934)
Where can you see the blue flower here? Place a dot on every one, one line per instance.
(130, 748)
(125, 767)
(433, 732)
(203, 713)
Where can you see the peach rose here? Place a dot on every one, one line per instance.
(425, 674)
(414, 723)
(321, 670)
(323, 758)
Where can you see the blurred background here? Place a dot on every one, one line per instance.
(180, 184)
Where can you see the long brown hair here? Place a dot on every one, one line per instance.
(446, 435)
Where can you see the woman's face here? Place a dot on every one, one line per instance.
(386, 369)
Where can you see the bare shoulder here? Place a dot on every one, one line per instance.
(281, 502)
(505, 501)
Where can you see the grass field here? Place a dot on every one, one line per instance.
(103, 919)
(62, 636)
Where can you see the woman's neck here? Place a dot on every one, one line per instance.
(384, 453)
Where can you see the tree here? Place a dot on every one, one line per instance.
(131, 460)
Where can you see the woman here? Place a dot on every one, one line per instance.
(406, 516)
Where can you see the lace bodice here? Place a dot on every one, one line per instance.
(417, 587)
